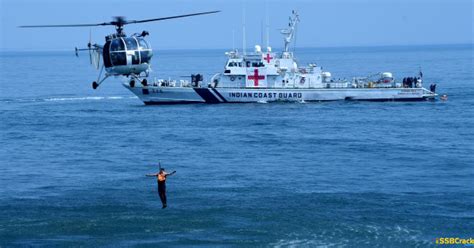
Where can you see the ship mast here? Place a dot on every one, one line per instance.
(267, 25)
(244, 37)
(290, 32)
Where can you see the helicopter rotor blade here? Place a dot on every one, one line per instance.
(66, 25)
(120, 21)
(170, 17)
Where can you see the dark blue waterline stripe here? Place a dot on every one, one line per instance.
(219, 94)
(205, 94)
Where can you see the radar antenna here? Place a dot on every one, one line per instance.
(290, 32)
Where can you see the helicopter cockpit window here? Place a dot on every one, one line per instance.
(131, 43)
(117, 45)
(117, 52)
(118, 58)
(146, 56)
(142, 43)
(106, 54)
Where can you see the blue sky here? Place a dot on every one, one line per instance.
(323, 22)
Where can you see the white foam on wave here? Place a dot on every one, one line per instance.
(350, 235)
(73, 98)
(304, 243)
(115, 97)
(88, 98)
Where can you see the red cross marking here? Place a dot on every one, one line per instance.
(255, 77)
(268, 58)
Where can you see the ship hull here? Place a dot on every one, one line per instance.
(316, 95)
(154, 95)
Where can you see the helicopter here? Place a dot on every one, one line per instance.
(122, 55)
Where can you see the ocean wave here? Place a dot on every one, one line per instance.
(356, 235)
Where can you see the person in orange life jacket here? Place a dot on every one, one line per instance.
(161, 179)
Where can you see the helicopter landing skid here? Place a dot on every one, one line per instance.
(143, 81)
(95, 84)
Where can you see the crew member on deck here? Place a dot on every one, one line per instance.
(161, 179)
(410, 82)
(416, 82)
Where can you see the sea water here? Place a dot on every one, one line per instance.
(73, 160)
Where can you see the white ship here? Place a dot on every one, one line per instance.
(277, 77)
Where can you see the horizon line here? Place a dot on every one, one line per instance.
(277, 47)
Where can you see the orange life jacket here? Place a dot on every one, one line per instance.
(161, 177)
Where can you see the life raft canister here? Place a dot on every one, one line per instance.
(232, 78)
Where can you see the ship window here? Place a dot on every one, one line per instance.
(256, 64)
(117, 45)
(131, 43)
(118, 58)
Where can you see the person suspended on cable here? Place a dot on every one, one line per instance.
(161, 180)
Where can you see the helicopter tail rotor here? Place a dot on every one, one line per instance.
(94, 50)
(94, 53)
